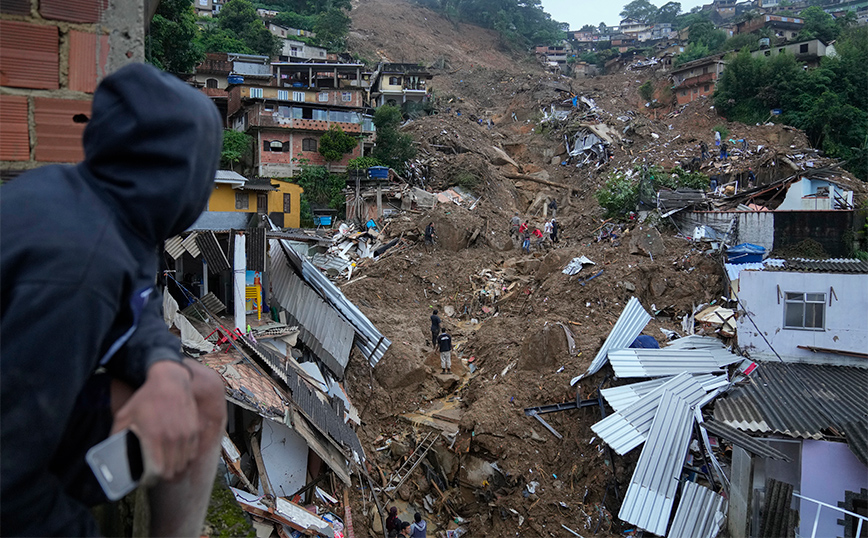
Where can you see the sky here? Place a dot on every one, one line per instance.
(581, 12)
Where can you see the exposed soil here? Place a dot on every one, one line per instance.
(510, 308)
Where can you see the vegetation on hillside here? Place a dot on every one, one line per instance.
(520, 22)
(829, 103)
(621, 192)
(393, 148)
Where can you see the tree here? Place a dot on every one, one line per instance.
(706, 34)
(239, 19)
(668, 12)
(335, 143)
(588, 28)
(170, 43)
(393, 149)
(692, 52)
(236, 146)
(321, 189)
(641, 10)
(215, 39)
(819, 25)
(331, 29)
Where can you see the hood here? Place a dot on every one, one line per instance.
(152, 148)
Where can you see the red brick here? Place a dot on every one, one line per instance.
(72, 10)
(83, 68)
(58, 137)
(15, 7)
(14, 135)
(28, 56)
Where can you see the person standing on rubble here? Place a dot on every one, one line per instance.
(81, 266)
(430, 234)
(717, 138)
(539, 238)
(723, 154)
(419, 528)
(435, 329)
(553, 207)
(445, 342)
(514, 224)
(554, 231)
(547, 230)
(525, 239)
(703, 151)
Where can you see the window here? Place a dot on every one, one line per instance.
(269, 107)
(261, 202)
(308, 144)
(394, 81)
(804, 311)
(276, 145)
(256, 93)
(242, 200)
(283, 95)
(287, 203)
(346, 97)
(706, 88)
(211, 83)
(298, 96)
(323, 97)
(803, 48)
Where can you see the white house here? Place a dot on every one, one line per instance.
(810, 311)
(807, 194)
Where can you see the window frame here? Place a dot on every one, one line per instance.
(298, 96)
(242, 200)
(283, 95)
(307, 142)
(791, 302)
(287, 202)
(256, 93)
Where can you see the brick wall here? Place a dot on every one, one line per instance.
(53, 53)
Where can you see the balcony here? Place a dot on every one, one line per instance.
(270, 121)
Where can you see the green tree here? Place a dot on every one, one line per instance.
(238, 18)
(170, 43)
(588, 28)
(362, 163)
(331, 29)
(740, 41)
(215, 39)
(706, 33)
(642, 10)
(321, 189)
(236, 147)
(295, 20)
(335, 143)
(646, 91)
(668, 12)
(818, 24)
(691, 52)
(393, 148)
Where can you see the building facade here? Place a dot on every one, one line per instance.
(697, 78)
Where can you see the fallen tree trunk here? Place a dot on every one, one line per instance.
(537, 180)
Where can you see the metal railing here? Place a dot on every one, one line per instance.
(820, 505)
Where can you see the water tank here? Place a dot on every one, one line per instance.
(235, 79)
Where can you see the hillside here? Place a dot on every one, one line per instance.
(519, 323)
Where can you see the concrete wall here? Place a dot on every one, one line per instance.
(846, 325)
(756, 227)
(828, 470)
(223, 200)
(54, 54)
(825, 227)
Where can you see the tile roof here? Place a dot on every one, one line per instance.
(798, 400)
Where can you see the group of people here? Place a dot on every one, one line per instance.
(522, 230)
(440, 339)
(397, 528)
(722, 145)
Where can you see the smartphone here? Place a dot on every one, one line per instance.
(117, 464)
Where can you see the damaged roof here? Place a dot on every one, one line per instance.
(630, 323)
(745, 441)
(700, 513)
(799, 400)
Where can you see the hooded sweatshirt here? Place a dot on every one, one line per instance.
(419, 530)
(79, 263)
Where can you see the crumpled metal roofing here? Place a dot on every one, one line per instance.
(325, 332)
(662, 362)
(624, 396)
(626, 430)
(700, 514)
(371, 342)
(799, 400)
(833, 265)
(743, 440)
(857, 438)
(220, 221)
(651, 493)
(630, 323)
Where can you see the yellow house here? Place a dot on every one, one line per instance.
(280, 200)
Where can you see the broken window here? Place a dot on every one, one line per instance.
(346, 97)
(804, 310)
(308, 144)
(242, 200)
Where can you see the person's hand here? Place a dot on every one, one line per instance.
(162, 412)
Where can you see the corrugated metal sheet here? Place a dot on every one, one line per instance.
(626, 395)
(661, 362)
(174, 247)
(251, 69)
(857, 438)
(700, 514)
(230, 175)
(255, 247)
(651, 493)
(189, 244)
(799, 400)
(630, 323)
(695, 341)
(212, 252)
(743, 440)
(15, 7)
(332, 265)
(15, 134)
(58, 136)
(220, 221)
(834, 265)
(626, 430)
(778, 519)
(326, 333)
(29, 56)
(371, 342)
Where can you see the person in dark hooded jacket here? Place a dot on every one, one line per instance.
(84, 351)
